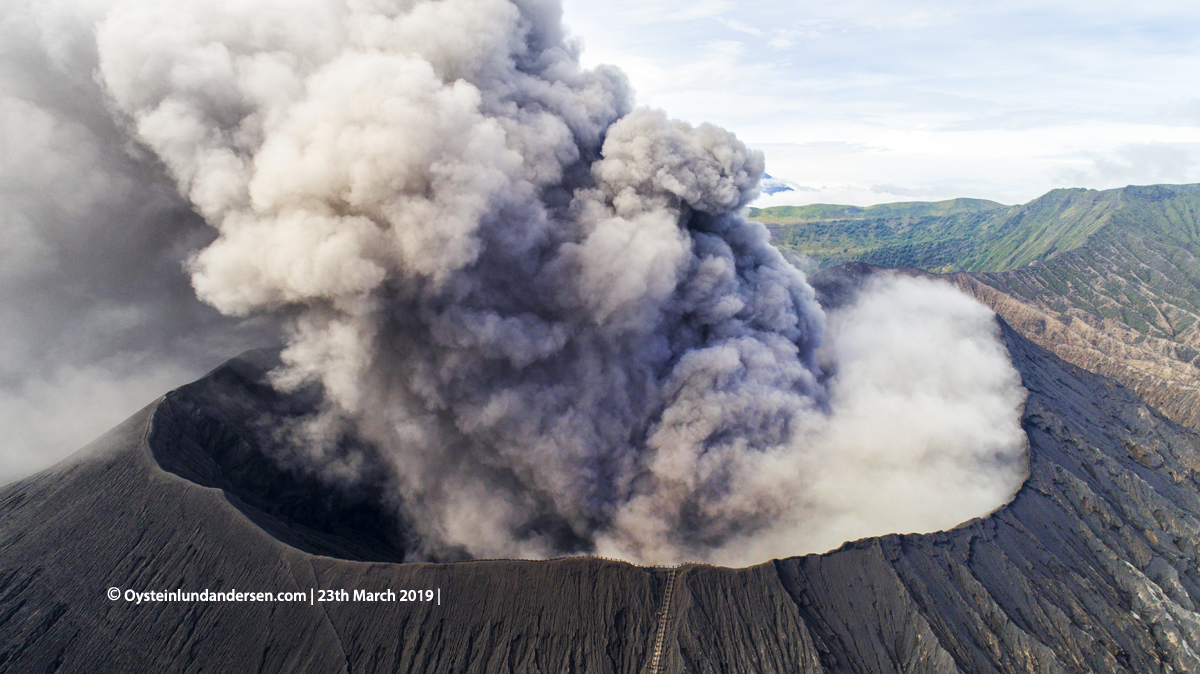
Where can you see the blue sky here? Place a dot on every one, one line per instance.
(871, 101)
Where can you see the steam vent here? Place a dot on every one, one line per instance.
(1092, 568)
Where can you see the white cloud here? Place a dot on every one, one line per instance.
(742, 27)
(1138, 163)
(1011, 98)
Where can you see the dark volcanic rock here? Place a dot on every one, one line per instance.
(1092, 568)
(220, 431)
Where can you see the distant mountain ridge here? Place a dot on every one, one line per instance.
(975, 234)
(815, 212)
(1107, 280)
(772, 185)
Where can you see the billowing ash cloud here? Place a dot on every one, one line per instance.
(542, 307)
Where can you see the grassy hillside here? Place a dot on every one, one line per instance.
(1138, 266)
(1108, 280)
(892, 240)
(973, 234)
(909, 209)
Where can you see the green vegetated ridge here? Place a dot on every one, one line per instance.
(970, 234)
(784, 215)
(1138, 266)
(1128, 254)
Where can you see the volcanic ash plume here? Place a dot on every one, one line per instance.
(96, 320)
(542, 307)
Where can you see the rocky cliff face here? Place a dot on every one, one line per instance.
(1161, 370)
(1092, 567)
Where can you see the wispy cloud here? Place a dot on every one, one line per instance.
(740, 27)
(994, 94)
(1138, 163)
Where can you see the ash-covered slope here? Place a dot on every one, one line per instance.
(1092, 568)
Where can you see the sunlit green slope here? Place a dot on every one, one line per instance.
(1108, 280)
(978, 235)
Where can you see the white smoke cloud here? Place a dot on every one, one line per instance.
(924, 428)
(544, 307)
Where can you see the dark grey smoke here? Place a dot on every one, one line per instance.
(545, 308)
